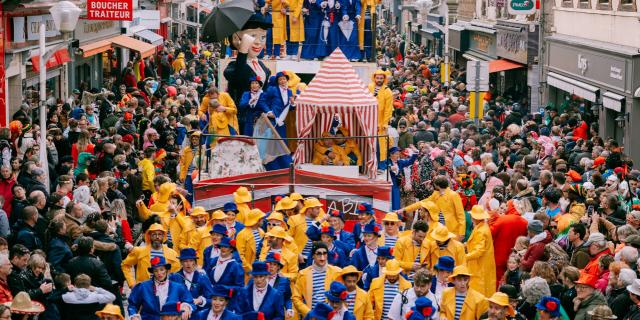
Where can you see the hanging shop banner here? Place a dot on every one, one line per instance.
(110, 10)
(521, 7)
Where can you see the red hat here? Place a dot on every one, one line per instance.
(574, 175)
(587, 279)
(598, 161)
(127, 138)
(618, 170)
(128, 116)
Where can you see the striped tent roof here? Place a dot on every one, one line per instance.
(336, 84)
(337, 90)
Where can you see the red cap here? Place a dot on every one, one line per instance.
(574, 175)
(598, 161)
(618, 170)
(127, 138)
(128, 116)
(587, 279)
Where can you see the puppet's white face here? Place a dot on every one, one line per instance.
(259, 41)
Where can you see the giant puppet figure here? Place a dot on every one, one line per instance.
(249, 41)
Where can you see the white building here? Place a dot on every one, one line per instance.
(592, 56)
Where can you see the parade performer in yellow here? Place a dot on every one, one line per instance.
(139, 258)
(444, 243)
(365, 27)
(350, 146)
(378, 87)
(390, 283)
(197, 236)
(242, 198)
(278, 240)
(480, 257)
(358, 301)
(167, 207)
(296, 29)
(279, 10)
(248, 240)
(326, 152)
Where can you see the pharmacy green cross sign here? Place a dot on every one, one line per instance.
(522, 6)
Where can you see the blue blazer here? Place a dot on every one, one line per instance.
(273, 100)
(272, 306)
(346, 241)
(233, 275)
(282, 285)
(200, 286)
(206, 264)
(402, 163)
(143, 301)
(249, 113)
(357, 233)
(359, 258)
(226, 315)
(371, 273)
(350, 8)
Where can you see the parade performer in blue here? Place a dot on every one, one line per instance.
(249, 42)
(278, 281)
(259, 296)
(227, 271)
(396, 166)
(195, 280)
(220, 298)
(371, 272)
(218, 232)
(337, 297)
(337, 256)
(147, 297)
(252, 105)
(344, 239)
(366, 254)
(366, 216)
(312, 24)
(348, 35)
(328, 28)
(279, 100)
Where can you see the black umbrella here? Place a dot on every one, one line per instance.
(226, 19)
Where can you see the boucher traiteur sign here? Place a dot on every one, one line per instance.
(110, 10)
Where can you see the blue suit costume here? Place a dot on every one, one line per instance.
(312, 23)
(233, 275)
(248, 113)
(226, 315)
(337, 257)
(371, 272)
(274, 103)
(206, 264)
(200, 286)
(359, 258)
(143, 300)
(346, 241)
(350, 46)
(282, 285)
(272, 306)
(396, 177)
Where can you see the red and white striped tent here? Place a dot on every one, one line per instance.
(337, 89)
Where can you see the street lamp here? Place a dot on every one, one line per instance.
(622, 119)
(65, 16)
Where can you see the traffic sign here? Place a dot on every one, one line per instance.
(477, 76)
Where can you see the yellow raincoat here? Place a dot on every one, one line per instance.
(430, 252)
(179, 64)
(176, 225)
(247, 247)
(302, 290)
(289, 259)
(140, 259)
(385, 109)
(451, 207)
(320, 157)
(376, 293)
(371, 6)
(296, 29)
(279, 30)
(350, 146)
(481, 260)
(474, 305)
(406, 253)
(148, 172)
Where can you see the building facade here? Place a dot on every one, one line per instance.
(593, 57)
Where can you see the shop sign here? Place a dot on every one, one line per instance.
(615, 73)
(91, 30)
(521, 7)
(512, 45)
(482, 42)
(143, 19)
(28, 28)
(596, 67)
(110, 10)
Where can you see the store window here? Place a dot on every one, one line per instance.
(584, 4)
(567, 3)
(83, 74)
(627, 5)
(604, 5)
